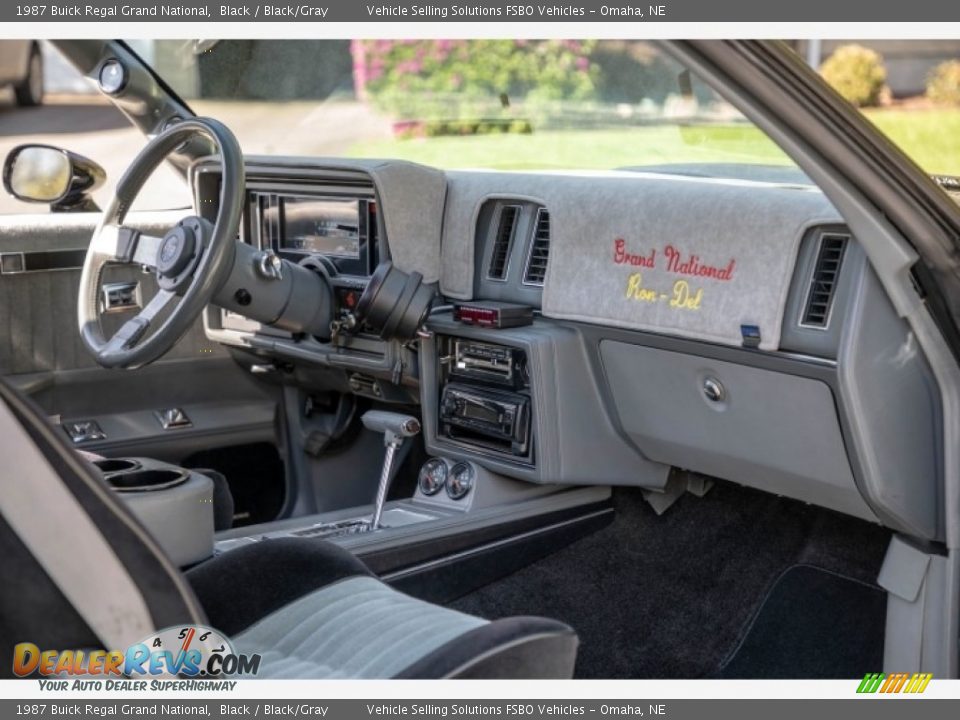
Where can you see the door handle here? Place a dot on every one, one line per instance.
(120, 297)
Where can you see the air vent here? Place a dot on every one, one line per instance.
(823, 284)
(539, 254)
(503, 242)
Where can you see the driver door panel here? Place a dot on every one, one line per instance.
(41, 351)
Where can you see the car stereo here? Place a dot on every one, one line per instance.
(484, 397)
(486, 417)
(488, 362)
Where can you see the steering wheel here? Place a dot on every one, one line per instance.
(190, 262)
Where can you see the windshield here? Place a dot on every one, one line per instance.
(496, 104)
(500, 104)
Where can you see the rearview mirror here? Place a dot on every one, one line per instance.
(47, 174)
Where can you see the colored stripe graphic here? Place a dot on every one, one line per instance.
(893, 683)
(919, 682)
(871, 682)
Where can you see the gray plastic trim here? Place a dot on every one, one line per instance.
(511, 288)
(443, 522)
(180, 517)
(563, 423)
(772, 431)
(214, 423)
(892, 259)
(916, 585)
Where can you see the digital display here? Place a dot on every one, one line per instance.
(325, 226)
(476, 411)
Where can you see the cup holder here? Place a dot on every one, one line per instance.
(146, 480)
(119, 465)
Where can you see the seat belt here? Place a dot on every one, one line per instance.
(33, 499)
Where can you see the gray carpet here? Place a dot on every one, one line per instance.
(672, 596)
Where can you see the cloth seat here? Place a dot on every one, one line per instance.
(308, 607)
(311, 609)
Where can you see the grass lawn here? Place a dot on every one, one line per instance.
(932, 137)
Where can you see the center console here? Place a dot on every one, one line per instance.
(174, 504)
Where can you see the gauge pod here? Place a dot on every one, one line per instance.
(433, 476)
(394, 304)
(460, 481)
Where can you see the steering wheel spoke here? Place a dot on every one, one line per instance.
(134, 329)
(121, 244)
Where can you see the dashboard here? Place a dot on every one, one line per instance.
(731, 328)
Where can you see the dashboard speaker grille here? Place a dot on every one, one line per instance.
(503, 242)
(823, 283)
(536, 269)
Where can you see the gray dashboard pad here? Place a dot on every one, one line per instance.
(691, 257)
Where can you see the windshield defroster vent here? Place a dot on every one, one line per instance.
(823, 283)
(503, 242)
(539, 254)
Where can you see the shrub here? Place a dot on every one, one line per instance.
(943, 83)
(468, 79)
(857, 73)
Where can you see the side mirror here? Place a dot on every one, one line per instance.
(47, 174)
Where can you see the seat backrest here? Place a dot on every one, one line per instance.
(77, 569)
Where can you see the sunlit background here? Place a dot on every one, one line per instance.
(506, 104)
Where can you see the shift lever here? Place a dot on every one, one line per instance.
(395, 428)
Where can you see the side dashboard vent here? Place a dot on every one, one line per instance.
(823, 283)
(503, 242)
(539, 254)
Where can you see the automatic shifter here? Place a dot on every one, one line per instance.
(395, 428)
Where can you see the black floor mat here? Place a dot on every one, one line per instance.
(669, 596)
(813, 624)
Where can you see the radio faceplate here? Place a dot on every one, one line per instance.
(486, 417)
(484, 397)
(487, 362)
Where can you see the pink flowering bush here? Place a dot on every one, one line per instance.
(417, 79)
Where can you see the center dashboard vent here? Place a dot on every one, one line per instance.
(823, 282)
(536, 270)
(503, 242)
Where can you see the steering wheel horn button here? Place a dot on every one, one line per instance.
(176, 251)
